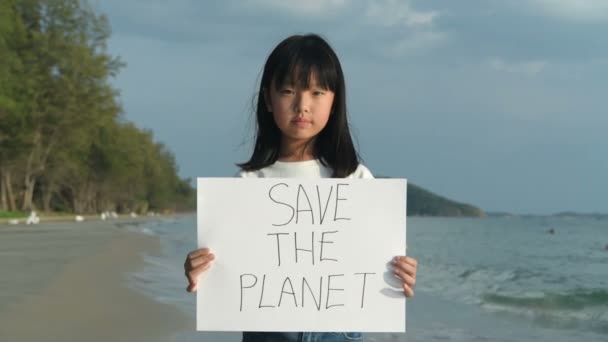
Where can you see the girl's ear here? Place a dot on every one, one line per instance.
(266, 95)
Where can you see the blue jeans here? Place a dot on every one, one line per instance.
(300, 337)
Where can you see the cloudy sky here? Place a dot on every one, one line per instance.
(501, 104)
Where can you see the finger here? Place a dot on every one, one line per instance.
(408, 291)
(406, 268)
(406, 260)
(191, 288)
(201, 260)
(193, 275)
(198, 252)
(406, 278)
(191, 263)
(411, 261)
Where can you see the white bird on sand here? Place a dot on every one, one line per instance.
(133, 214)
(79, 218)
(13, 221)
(113, 214)
(33, 219)
(103, 216)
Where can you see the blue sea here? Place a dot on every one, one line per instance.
(490, 279)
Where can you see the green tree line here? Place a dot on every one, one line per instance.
(64, 142)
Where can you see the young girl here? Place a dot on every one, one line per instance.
(302, 132)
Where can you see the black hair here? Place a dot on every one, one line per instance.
(293, 61)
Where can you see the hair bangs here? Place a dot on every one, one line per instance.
(304, 68)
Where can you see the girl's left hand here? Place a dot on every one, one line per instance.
(405, 269)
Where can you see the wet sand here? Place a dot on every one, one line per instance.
(69, 282)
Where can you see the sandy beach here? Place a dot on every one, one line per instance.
(66, 281)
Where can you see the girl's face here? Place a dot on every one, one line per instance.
(300, 114)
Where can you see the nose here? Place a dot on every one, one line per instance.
(301, 103)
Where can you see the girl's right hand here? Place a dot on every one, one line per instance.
(197, 262)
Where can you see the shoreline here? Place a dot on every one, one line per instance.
(46, 218)
(72, 284)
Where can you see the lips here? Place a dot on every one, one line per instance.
(301, 122)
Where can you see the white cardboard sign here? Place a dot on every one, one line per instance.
(301, 254)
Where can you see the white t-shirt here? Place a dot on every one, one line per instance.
(301, 169)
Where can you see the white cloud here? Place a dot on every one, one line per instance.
(381, 12)
(416, 28)
(529, 68)
(414, 43)
(574, 9)
(393, 12)
(305, 8)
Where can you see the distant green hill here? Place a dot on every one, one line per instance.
(421, 202)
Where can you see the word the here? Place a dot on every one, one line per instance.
(298, 246)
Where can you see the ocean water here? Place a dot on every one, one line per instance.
(491, 279)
